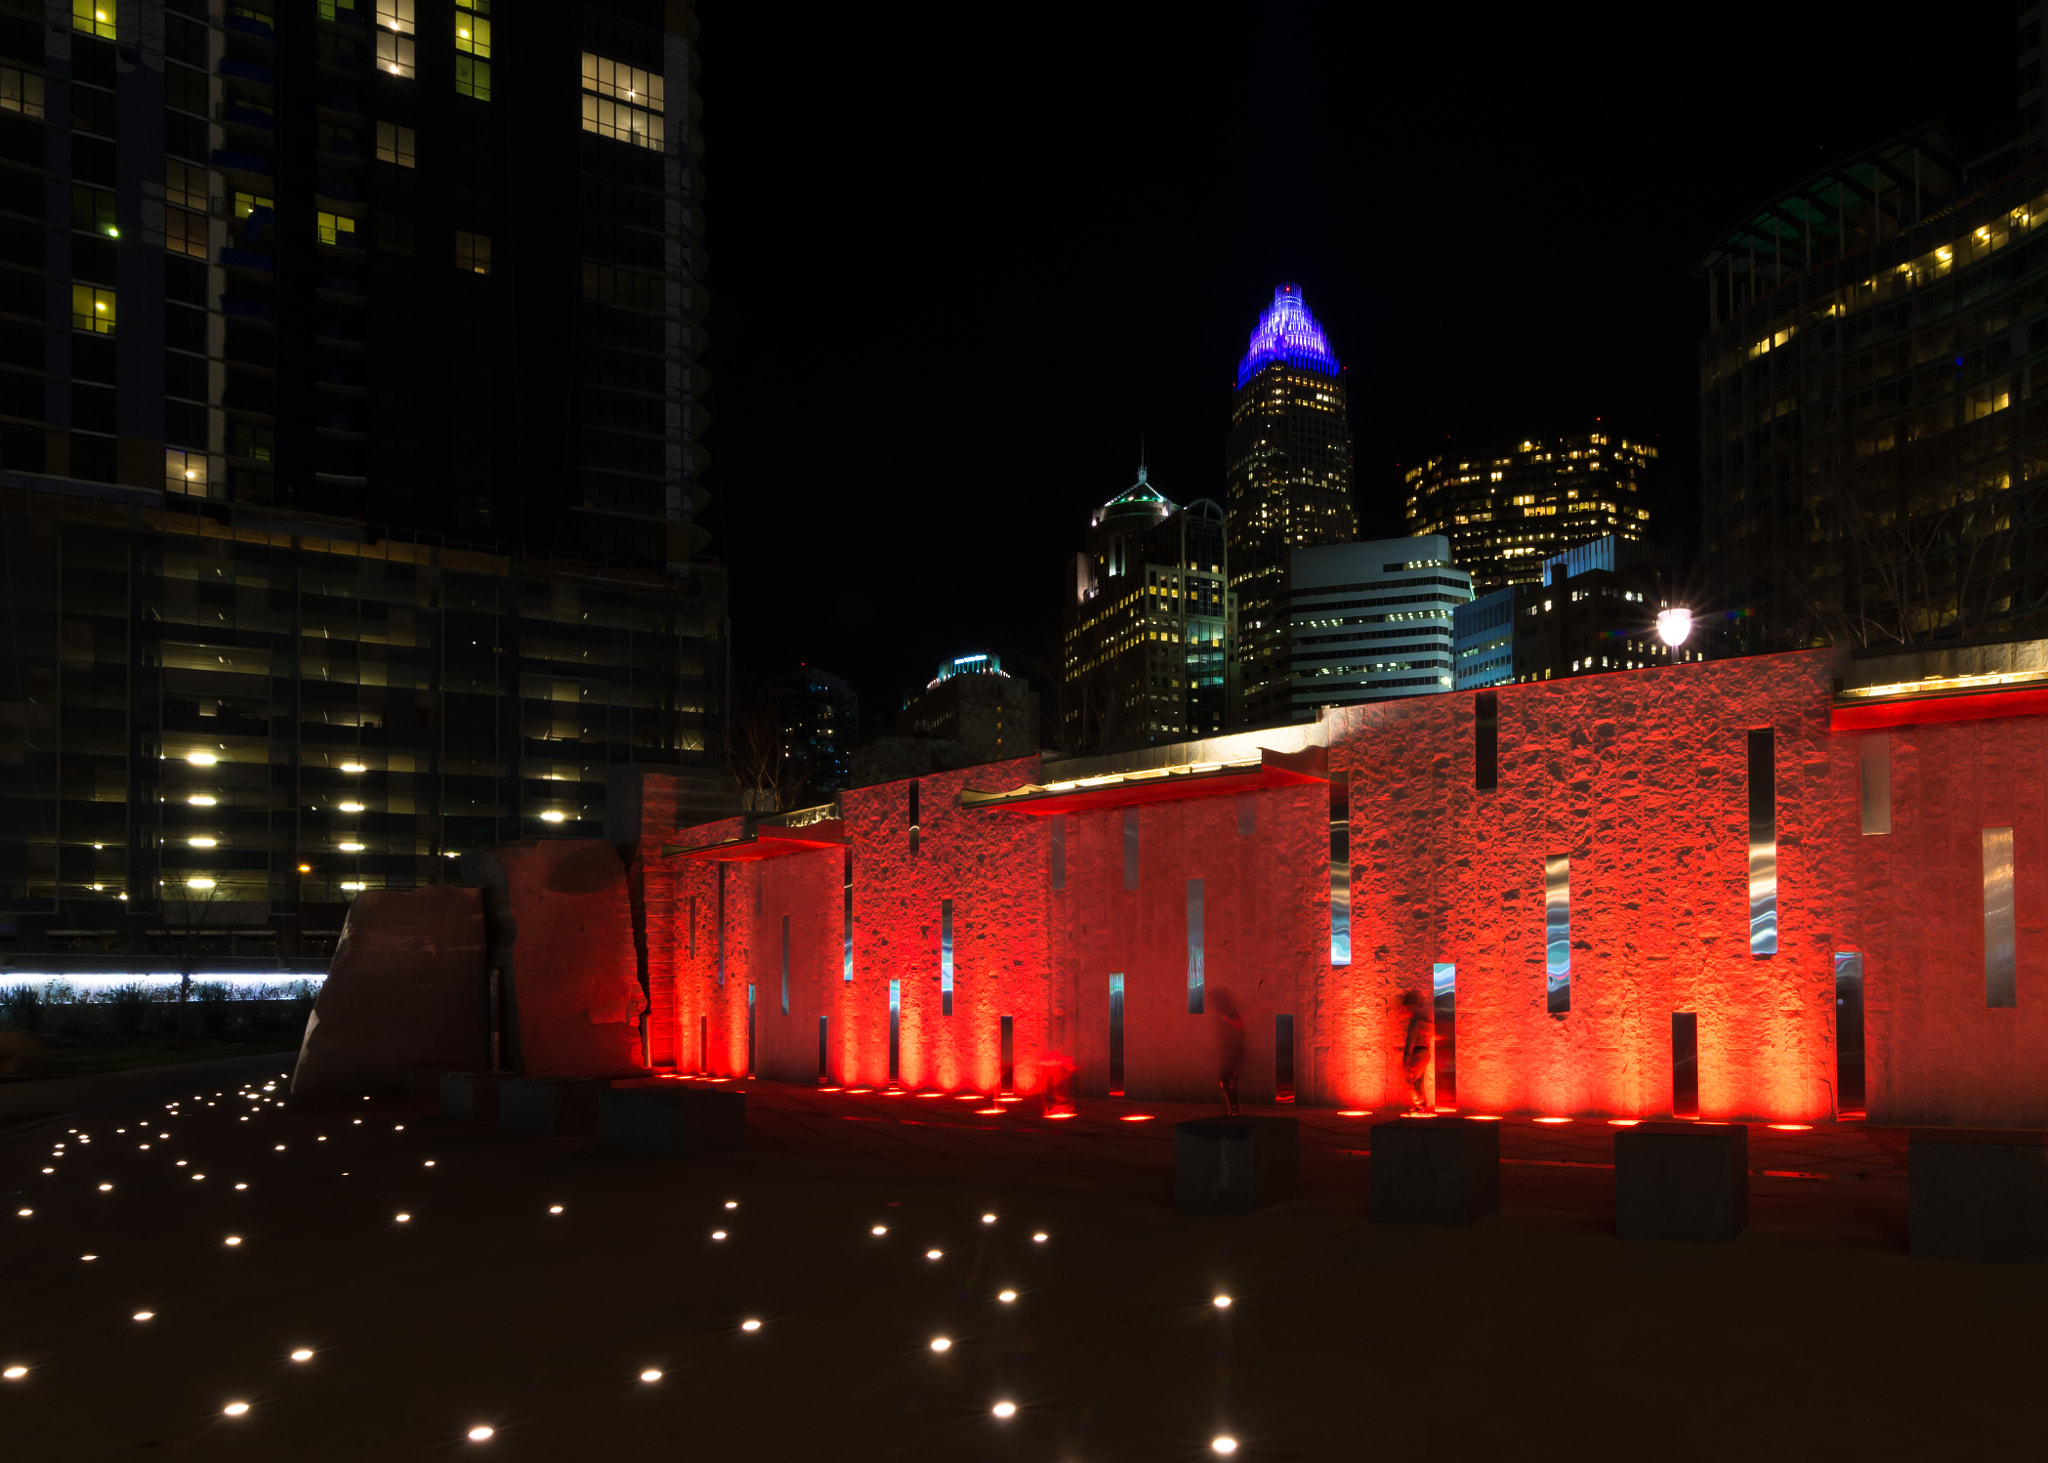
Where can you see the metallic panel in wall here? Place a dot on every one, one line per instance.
(721, 925)
(945, 957)
(915, 817)
(1130, 848)
(1056, 850)
(1876, 749)
(1763, 843)
(1444, 983)
(1283, 1059)
(1006, 1074)
(1557, 933)
(1685, 1064)
(1486, 740)
(1849, 1097)
(846, 925)
(785, 965)
(753, 1045)
(1116, 1035)
(1340, 871)
(823, 1069)
(895, 1029)
(1194, 947)
(2000, 987)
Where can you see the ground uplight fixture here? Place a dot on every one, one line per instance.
(1222, 1302)
(15, 1373)
(235, 1409)
(479, 1433)
(201, 759)
(1005, 1409)
(650, 1375)
(1223, 1445)
(304, 1353)
(552, 815)
(1673, 626)
(942, 1343)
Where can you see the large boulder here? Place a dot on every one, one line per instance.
(561, 919)
(407, 984)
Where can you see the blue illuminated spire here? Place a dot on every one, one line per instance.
(1289, 334)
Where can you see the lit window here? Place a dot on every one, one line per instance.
(472, 78)
(621, 101)
(395, 144)
(21, 91)
(337, 228)
(395, 15)
(473, 252)
(248, 203)
(94, 17)
(185, 184)
(473, 27)
(92, 309)
(185, 472)
(185, 232)
(395, 52)
(338, 10)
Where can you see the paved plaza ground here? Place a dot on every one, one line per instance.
(1534, 1334)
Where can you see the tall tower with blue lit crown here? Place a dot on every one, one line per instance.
(1288, 465)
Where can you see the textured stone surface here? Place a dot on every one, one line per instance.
(1681, 1181)
(562, 934)
(406, 984)
(1235, 1164)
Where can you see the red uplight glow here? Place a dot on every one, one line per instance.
(959, 1096)
(1553, 1120)
(988, 1112)
(1354, 1112)
(857, 1091)
(829, 1089)
(1137, 1117)
(941, 1094)
(1791, 1127)
(1056, 1116)
(1623, 1122)
(1482, 1117)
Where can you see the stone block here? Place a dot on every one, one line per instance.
(677, 1121)
(470, 1097)
(407, 984)
(1681, 1181)
(547, 1107)
(423, 1080)
(1977, 1194)
(1235, 1163)
(1441, 1170)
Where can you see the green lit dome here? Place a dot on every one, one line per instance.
(1137, 507)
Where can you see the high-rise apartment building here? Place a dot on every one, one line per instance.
(1288, 471)
(348, 462)
(1371, 621)
(1873, 438)
(1150, 624)
(818, 715)
(1507, 508)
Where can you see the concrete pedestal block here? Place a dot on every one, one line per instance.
(1977, 1194)
(547, 1107)
(423, 1080)
(1435, 1171)
(678, 1122)
(1682, 1181)
(1235, 1163)
(470, 1097)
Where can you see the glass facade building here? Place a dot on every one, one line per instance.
(1508, 508)
(329, 454)
(1873, 450)
(1288, 473)
(1371, 621)
(1147, 653)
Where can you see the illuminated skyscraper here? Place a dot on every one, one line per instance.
(1288, 462)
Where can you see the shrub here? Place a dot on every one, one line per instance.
(21, 1055)
(215, 1003)
(22, 1008)
(130, 1007)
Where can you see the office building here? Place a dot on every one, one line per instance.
(1506, 507)
(973, 711)
(348, 496)
(818, 715)
(1288, 472)
(1150, 624)
(1594, 609)
(1872, 452)
(1371, 621)
(1483, 640)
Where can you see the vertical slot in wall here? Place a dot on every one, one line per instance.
(1763, 843)
(692, 927)
(1130, 848)
(1006, 1072)
(945, 957)
(1444, 989)
(721, 925)
(1486, 740)
(785, 965)
(1194, 947)
(895, 1029)
(1247, 815)
(2000, 944)
(846, 924)
(824, 1070)
(1116, 1035)
(1056, 849)
(1283, 1059)
(703, 1046)
(753, 1047)
(1557, 933)
(1875, 753)
(1849, 1098)
(1340, 870)
(1685, 1064)
(914, 819)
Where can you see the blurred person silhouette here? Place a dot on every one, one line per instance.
(1415, 1045)
(1229, 1044)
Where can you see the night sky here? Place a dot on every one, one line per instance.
(961, 260)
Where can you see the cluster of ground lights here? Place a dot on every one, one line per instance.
(95, 1148)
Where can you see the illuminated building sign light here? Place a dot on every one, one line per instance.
(1288, 334)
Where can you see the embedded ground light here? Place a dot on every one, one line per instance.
(750, 1325)
(942, 1343)
(479, 1433)
(1040, 1238)
(650, 1375)
(1222, 1302)
(15, 1373)
(933, 1254)
(1006, 1296)
(304, 1353)
(1005, 1409)
(1224, 1444)
(235, 1409)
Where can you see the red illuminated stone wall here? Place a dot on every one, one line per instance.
(1640, 778)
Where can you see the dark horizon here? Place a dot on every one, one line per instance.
(958, 273)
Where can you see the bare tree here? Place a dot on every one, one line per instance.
(770, 769)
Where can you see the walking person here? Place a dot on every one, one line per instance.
(1229, 1045)
(1415, 1048)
